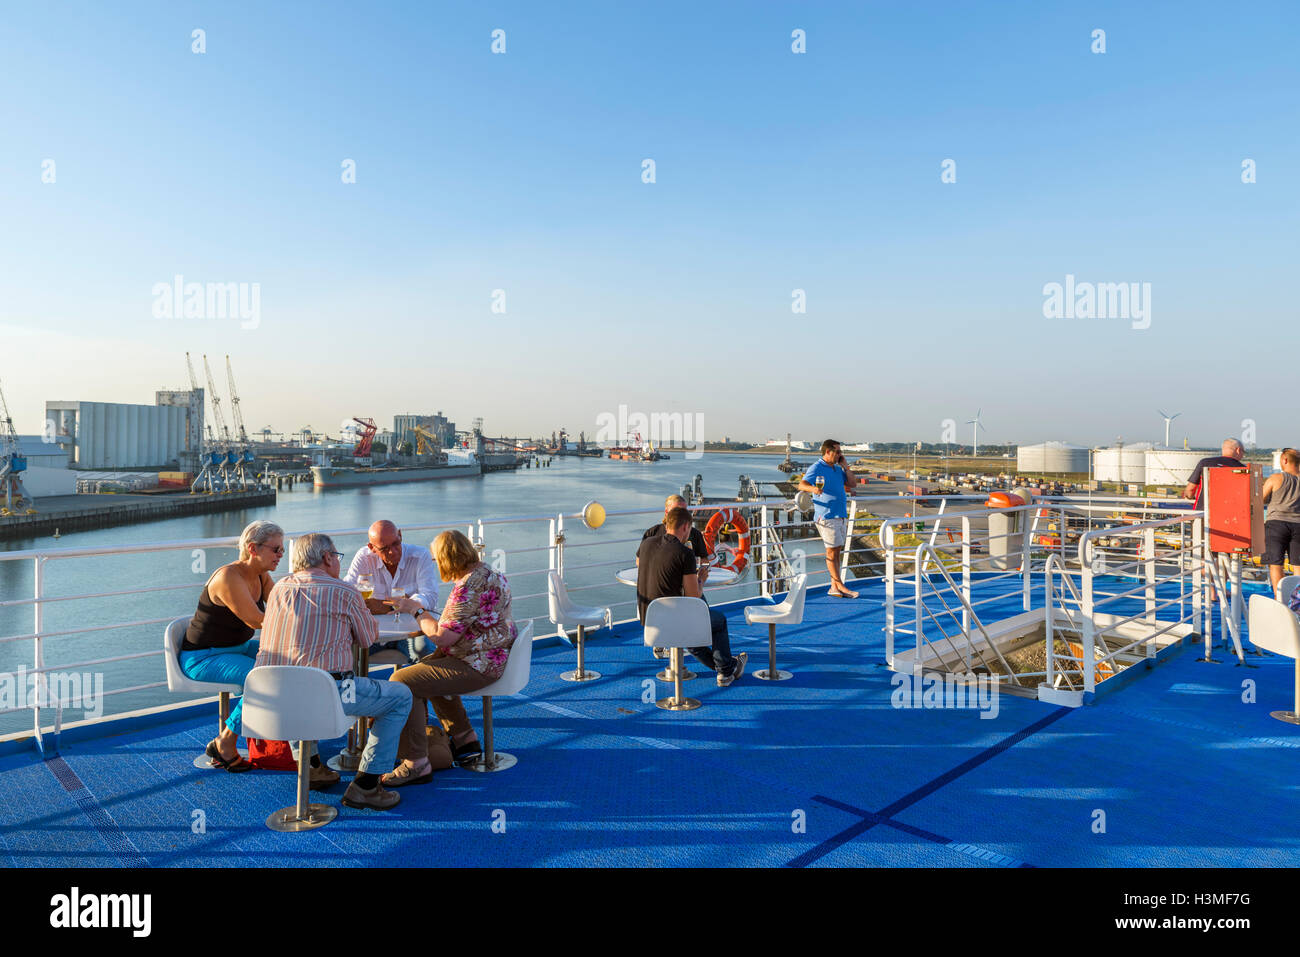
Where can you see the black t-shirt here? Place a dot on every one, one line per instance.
(662, 563)
(1213, 461)
(697, 539)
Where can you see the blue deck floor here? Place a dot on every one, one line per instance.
(1184, 771)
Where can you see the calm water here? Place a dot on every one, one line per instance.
(564, 487)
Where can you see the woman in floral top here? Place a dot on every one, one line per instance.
(473, 636)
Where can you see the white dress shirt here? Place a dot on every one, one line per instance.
(416, 574)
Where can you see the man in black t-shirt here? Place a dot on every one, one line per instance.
(667, 568)
(1232, 453)
(696, 541)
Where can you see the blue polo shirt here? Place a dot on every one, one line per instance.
(832, 502)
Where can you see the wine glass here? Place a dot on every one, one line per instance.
(397, 592)
(365, 586)
(821, 482)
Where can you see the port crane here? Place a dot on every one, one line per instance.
(226, 455)
(210, 459)
(245, 465)
(12, 464)
(368, 431)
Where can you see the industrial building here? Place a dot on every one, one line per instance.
(1052, 458)
(439, 425)
(114, 435)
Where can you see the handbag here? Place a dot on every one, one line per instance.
(271, 755)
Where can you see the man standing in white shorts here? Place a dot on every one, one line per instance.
(830, 482)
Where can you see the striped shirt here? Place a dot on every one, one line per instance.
(314, 619)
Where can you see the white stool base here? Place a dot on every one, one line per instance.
(767, 676)
(675, 704)
(1290, 717)
(345, 761)
(580, 675)
(502, 762)
(286, 819)
(205, 763)
(667, 675)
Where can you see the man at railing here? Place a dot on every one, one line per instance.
(1232, 453)
(1282, 523)
(830, 482)
(390, 564)
(314, 620)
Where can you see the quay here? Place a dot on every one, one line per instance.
(79, 513)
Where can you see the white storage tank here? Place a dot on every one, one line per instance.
(1172, 466)
(1123, 464)
(1053, 458)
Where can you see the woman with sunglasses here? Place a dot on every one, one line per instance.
(219, 644)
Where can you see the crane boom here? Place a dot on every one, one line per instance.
(216, 403)
(234, 404)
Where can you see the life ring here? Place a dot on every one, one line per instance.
(1103, 670)
(729, 517)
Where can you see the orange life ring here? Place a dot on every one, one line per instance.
(739, 554)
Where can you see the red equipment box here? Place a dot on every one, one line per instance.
(1234, 509)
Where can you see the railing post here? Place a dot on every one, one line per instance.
(1149, 543)
(1087, 665)
(848, 541)
(559, 545)
(765, 572)
(916, 565)
(965, 575)
(887, 541)
(1048, 621)
(1026, 572)
(38, 650)
(1198, 584)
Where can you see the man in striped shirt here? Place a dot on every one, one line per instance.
(314, 620)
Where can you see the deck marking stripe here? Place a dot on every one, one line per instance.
(838, 840)
(127, 853)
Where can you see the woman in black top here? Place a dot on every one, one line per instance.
(219, 644)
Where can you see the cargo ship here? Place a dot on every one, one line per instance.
(351, 476)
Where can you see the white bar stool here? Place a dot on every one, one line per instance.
(566, 614)
(677, 623)
(512, 681)
(178, 682)
(789, 612)
(295, 703)
(1274, 627)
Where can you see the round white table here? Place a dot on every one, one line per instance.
(717, 577)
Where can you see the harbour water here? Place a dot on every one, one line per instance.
(565, 486)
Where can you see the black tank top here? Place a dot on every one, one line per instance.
(216, 626)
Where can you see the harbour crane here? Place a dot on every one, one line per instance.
(210, 459)
(12, 464)
(227, 456)
(246, 459)
(369, 430)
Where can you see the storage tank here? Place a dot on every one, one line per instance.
(1122, 464)
(1052, 458)
(1172, 466)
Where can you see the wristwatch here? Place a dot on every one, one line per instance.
(419, 612)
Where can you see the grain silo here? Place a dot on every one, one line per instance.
(1052, 458)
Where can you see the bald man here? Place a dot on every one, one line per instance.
(391, 564)
(1232, 452)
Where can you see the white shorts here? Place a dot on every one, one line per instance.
(834, 531)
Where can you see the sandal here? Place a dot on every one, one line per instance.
(234, 765)
(403, 775)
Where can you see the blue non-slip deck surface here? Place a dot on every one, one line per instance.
(819, 771)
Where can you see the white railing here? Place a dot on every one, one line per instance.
(1098, 542)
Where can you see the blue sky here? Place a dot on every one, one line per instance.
(775, 172)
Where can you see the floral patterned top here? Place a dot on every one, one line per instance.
(479, 608)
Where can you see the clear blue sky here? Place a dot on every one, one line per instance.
(775, 171)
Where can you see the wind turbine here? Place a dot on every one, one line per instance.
(1168, 419)
(975, 434)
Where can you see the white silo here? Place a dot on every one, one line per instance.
(1125, 464)
(1172, 466)
(1052, 458)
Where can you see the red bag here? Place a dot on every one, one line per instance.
(271, 755)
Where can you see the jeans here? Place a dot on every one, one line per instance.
(718, 658)
(224, 665)
(389, 703)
